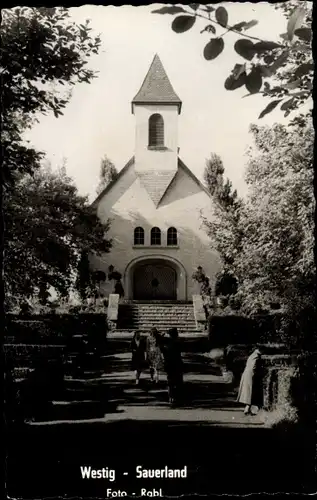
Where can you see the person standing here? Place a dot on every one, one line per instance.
(173, 365)
(138, 355)
(251, 386)
(154, 355)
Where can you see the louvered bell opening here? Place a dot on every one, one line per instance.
(156, 130)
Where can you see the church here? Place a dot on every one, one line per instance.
(156, 206)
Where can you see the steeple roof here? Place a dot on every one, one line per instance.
(156, 87)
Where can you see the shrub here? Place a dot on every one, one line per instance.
(26, 355)
(53, 328)
(283, 413)
(33, 376)
(227, 327)
(291, 392)
(283, 417)
(40, 388)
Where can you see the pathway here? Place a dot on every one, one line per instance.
(104, 420)
(112, 396)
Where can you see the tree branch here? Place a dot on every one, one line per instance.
(229, 28)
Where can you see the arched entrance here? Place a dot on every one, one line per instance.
(155, 278)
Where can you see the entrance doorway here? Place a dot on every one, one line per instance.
(154, 280)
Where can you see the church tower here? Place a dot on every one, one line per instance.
(156, 108)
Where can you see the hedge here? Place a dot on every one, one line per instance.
(36, 349)
(57, 328)
(27, 355)
(28, 392)
(237, 329)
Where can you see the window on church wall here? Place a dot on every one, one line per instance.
(171, 236)
(139, 236)
(155, 236)
(156, 130)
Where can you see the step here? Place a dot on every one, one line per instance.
(166, 317)
(159, 325)
(152, 319)
(160, 315)
(165, 308)
(154, 305)
(166, 321)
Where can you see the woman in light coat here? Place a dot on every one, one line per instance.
(154, 355)
(251, 387)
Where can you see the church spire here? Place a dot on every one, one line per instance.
(156, 87)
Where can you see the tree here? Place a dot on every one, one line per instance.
(88, 282)
(43, 54)
(281, 71)
(201, 278)
(83, 279)
(48, 226)
(224, 229)
(276, 263)
(266, 242)
(108, 173)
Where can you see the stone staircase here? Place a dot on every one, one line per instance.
(162, 315)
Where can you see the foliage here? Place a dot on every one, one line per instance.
(226, 284)
(47, 227)
(281, 71)
(277, 258)
(42, 53)
(201, 278)
(108, 173)
(47, 329)
(88, 282)
(224, 230)
(283, 417)
(284, 413)
(83, 282)
(115, 275)
(266, 242)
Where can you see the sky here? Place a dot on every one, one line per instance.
(98, 119)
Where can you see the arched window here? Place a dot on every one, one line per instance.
(156, 130)
(155, 236)
(139, 236)
(172, 236)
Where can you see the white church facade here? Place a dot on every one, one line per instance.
(156, 206)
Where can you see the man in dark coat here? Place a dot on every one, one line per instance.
(138, 355)
(173, 365)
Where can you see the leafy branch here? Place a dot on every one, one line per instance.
(265, 59)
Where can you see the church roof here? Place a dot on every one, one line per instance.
(156, 182)
(156, 87)
(155, 185)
